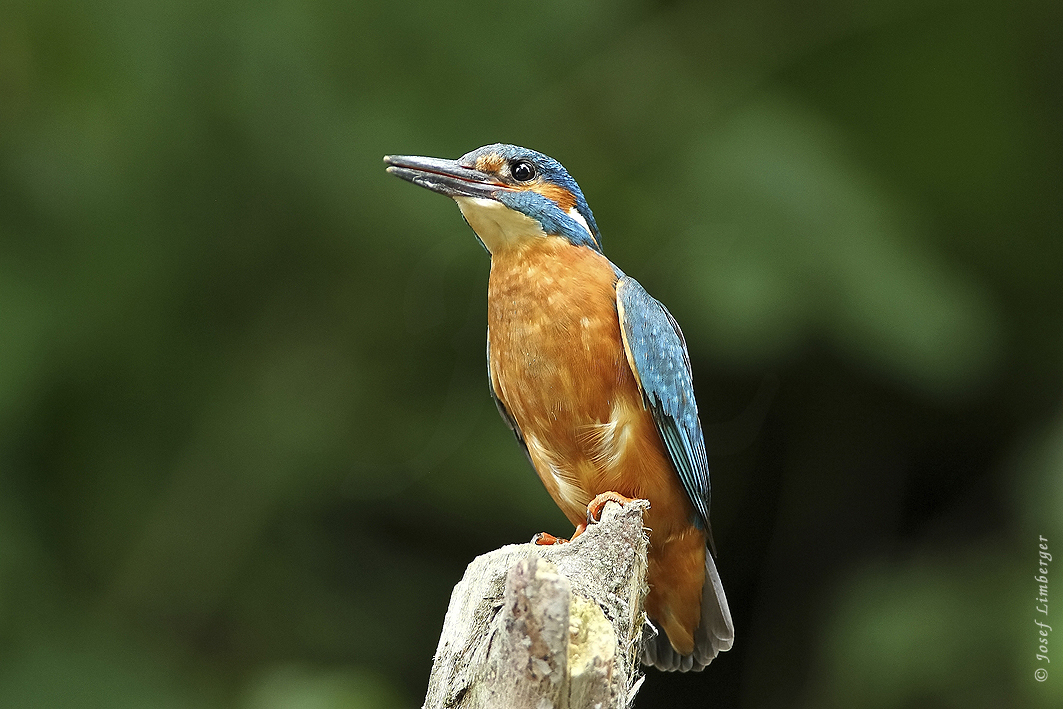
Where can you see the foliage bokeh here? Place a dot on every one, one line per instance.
(246, 446)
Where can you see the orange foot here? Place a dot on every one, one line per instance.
(545, 539)
(594, 509)
(594, 516)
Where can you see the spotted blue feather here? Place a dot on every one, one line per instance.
(657, 353)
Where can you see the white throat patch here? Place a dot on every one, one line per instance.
(497, 225)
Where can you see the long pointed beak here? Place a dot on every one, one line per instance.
(447, 177)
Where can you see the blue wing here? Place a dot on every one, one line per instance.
(658, 356)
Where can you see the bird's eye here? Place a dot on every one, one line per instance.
(522, 171)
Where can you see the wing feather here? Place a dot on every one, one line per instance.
(657, 354)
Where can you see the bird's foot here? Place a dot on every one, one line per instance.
(594, 509)
(594, 516)
(545, 539)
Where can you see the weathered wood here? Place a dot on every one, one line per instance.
(557, 627)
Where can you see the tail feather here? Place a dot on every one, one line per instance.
(714, 634)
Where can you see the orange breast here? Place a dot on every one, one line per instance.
(558, 365)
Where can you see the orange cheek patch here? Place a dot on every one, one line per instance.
(562, 197)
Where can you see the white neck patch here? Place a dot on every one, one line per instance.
(578, 218)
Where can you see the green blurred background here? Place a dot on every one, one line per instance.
(246, 446)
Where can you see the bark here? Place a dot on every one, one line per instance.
(558, 627)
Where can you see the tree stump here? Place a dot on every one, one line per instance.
(548, 627)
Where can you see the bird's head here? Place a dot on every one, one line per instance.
(507, 194)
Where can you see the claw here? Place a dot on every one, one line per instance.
(594, 515)
(545, 539)
(594, 509)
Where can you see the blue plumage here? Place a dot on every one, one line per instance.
(553, 220)
(658, 355)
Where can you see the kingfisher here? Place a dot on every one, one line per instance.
(592, 375)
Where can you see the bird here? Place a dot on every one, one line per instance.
(592, 375)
